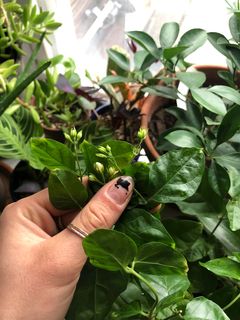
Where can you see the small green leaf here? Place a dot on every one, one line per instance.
(168, 34)
(192, 79)
(234, 176)
(119, 58)
(193, 39)
(209, 100)
(224, 267)
(176, 175)
(234, 54)
(114, 80)
(219, 42)
(218, 179)
(169, 53)
(122, 151)
(184, 139)
(201, 308)
(145, 41)
(53, 154)
(110, 250)
(134, 223)
(233, 212)
(226, 92)
(234, 26)
(229, 125)
(158, 258)
(66, 191)
(166, 92)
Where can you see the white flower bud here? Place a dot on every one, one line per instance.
(73, 133)
(67, 137)
(142, 133)
(79, 135)
(99, 167)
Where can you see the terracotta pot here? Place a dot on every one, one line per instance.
(153, 103)
(5, 196)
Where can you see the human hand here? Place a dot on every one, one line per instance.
(39, 267)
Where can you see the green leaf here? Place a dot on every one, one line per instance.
(218, 179)
(10, 97)
(184, 139)
(234, 54)
(97, 290)
(192, 79)
(166, 92)
(119, 58)
(122, 151)
(169, 53)
(201, 308)
(176, 175)
(53, 154)
(134, 222)
(170, 288)
(234, 26)
(158, 258)
(110, 250)
(229, 160)
(184, 232)
(12, 142)
(234, 176)
(168, 34)
(219, 42)
(209, 100)
(233, 212)
(66, 191)
(224, 267)
(145, 41)
(143, 60)
(193, 39)
(229, 125)
(128, 310)
(114, 80)
(226, 92)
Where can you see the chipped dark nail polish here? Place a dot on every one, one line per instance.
(121, 189)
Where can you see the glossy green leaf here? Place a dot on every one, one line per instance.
(115, 79)
(234, 54)
(193, 39)
(201, 308)
(224, 267)
(218, 179)
(169, 53)
(168, 34)
(128, 310)
(192, 79)
(110, 250)
(184, 139)
(95, 294)
(66, 191)
(170, 288)
(226, 92)
(158, 258)
(143, 60)
(162, 91)
(229, 160)
(176, 175)
(145, 41)
(234, 176)
(209, 100)
(234, 26)
(119, 58)
(53, 154)
(229, 125)
(219, 42)
(233, 212)
(134, 222)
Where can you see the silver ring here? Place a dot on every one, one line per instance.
(79, 232)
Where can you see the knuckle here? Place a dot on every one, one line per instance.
(96, 216)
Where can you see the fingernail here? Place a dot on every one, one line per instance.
(121, 189)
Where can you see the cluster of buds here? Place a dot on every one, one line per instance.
(142, 133)
(104, 152)
(74, 136)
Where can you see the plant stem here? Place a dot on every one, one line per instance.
(217, 225)
(137, 275)
(232, 302)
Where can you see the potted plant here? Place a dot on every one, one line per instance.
(22, 24)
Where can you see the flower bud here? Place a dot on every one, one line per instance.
(112, 171)
(99, 167)
(79, 135)
(142, 133)
(100, 155)
(102, 149)
(73, 133)
(67, 137)
(91, 177)
(108, 148)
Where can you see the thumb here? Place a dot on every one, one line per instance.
(102, 211)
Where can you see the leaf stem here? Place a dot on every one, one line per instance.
(137, 275)
(232, 302)
(217, 225)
